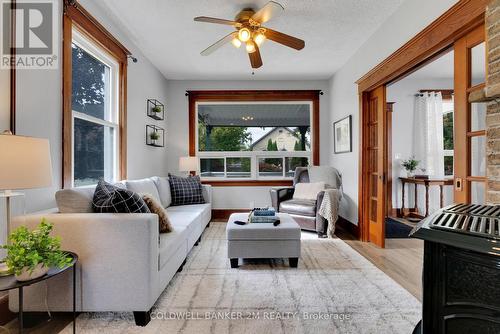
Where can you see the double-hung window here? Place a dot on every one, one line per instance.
(253, 140)
(94, 101)
(94, 112)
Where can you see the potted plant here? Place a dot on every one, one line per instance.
(156, 109)
(154, 136)
(410, 166)
(30, 254)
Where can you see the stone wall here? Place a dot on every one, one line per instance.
(493, 91)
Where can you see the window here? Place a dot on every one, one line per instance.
(94, 97)
(254, 140)
(448, 106)
(95, 112)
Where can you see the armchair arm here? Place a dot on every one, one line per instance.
(207, 193)
(279, 195)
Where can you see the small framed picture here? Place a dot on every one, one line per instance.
(342, 135)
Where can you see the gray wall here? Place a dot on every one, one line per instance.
(39, 114)
(409, 19)
(178, 131)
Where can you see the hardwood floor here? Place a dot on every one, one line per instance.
(401, 259)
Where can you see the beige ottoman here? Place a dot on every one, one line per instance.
(263, 240)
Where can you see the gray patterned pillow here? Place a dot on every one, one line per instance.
(185, 190)
(111, 199)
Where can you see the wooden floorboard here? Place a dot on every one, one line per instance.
(401, 259)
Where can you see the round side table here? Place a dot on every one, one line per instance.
(10, 283)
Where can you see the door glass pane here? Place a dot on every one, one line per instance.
(93, 152)
(212, 167)
(478, 64)
(90, 84)
(238, 167)
(292, 163)
(478, 116)
(270, 167)
(477, 192)
(478, 156)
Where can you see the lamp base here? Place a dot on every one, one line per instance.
(5, 270)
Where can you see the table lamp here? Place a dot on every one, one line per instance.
(188, 164)
(24, 164)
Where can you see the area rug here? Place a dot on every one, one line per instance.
(395, 229)
(333, 290)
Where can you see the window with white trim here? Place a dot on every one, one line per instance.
(95, 116)
(448, 108)
(253, 140)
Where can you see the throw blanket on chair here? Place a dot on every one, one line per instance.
(333, 194)
(329, 209)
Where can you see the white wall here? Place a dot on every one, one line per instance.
(403, 94)
(409, 19)
(39, 114)
(178, 131)
(4, 100)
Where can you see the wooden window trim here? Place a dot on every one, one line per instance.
(76, 15)
(252, 96)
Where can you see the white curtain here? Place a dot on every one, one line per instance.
(428, 143)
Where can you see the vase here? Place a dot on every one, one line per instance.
(37, 272)
(410, 174)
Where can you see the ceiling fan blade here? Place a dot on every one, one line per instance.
(255, 58)
(270, 10)
(287, 40)
(217, 21)
(224, 40)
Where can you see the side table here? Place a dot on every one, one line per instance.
(10, 283)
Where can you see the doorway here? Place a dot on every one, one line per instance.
(376, 154)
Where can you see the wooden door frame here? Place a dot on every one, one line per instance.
(439, 36)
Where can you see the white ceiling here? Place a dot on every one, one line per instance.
(166, 33)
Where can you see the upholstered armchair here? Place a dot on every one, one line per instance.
(305, 212)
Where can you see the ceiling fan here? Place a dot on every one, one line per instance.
(249, 30)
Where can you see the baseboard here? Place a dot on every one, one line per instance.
(349, 227)
(5, 314)
(225, 213)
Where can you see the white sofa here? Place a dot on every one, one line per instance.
(124, 262)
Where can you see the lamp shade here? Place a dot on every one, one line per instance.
(188, 164)
(24, 163)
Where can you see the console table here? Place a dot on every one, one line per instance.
(427, 183)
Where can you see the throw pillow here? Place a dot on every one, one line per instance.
(111, 199)
(185, 190)
(155, 207)
(308, 190)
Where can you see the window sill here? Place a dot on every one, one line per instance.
(248, 183)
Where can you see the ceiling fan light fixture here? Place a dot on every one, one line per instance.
(244, 34)
(236, 42)
(250, 47)
(259, 38)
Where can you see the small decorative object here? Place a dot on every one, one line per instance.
(155, 109)
(155, 136)
(30, 254)
(410, 166)
(342, 133)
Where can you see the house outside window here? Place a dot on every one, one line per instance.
(253, 140)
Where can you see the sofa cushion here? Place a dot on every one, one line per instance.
(143, 186)
(170, 243)
(75, 200)
(308, 190)
(111, 199)
(205, 210)
(302, 207)
(155, 207)
(186, 190)
(163, 187)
